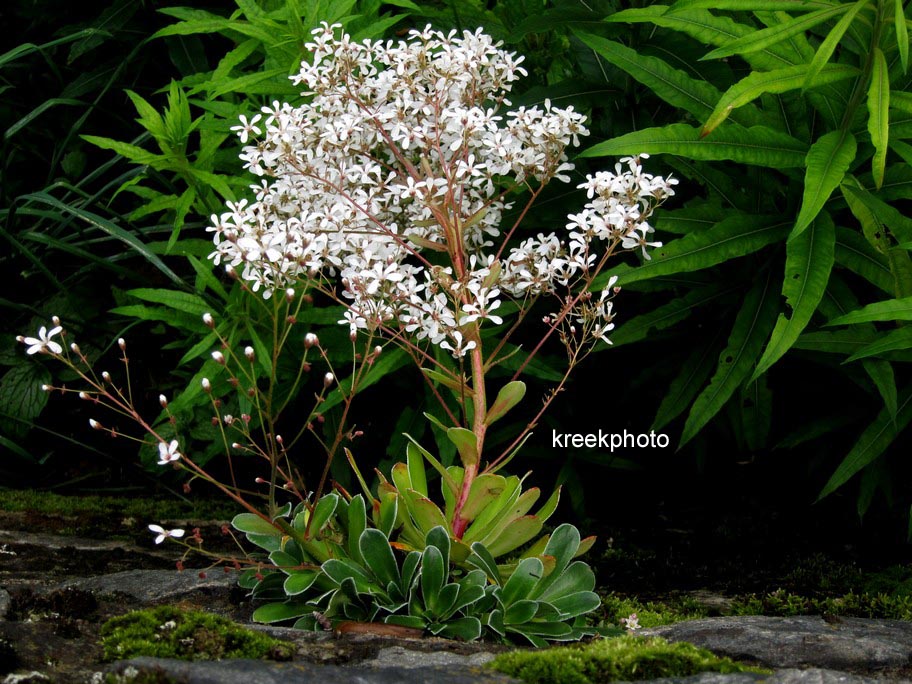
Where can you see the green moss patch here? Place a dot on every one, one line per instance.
(783, 603)
(170, 632)
(651, 614)
(624, 658)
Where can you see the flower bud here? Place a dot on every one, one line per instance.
(207, 386)
(328, 379)
(208, 320)
(47, 388)
(378, 350)
(290, 294)
(82, 395)
(74, 348)
(94, 424)
(163, 400)
(218, 357)
(55, 320)
(249, 353)
(106, 376)
(311, 340)
(122, 343)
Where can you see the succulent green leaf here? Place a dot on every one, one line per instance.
(464, 628)
(466, 444)
(757, 145)
(300, 581)
(416, 471)
(828, 46)
(753, 325)
(433, 574)
(436, 464)
(425, 513)
(808, 262)
(378, 555)
(577, 604)
(895, 340)
(323, 511)
(515, 534)
(577, 577)
(389, 513)
(523, 580)
(446, 380)
(485, 490)
(782, 80)
(249, 523)
(339, 570)
(508, 397)
(879, 114)
(357, 523)
(277, 612)
(828, 160)
(440, 538)
(521, 611)
(872, 443)
(400, 477)
(490, 515)
(482, 559)
(758, 40)
(548, 508)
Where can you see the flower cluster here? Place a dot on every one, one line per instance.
(405, 150)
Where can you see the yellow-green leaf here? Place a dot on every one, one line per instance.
(757, 83)
(827, 162)
(828, 46)
(879, 114)
(808, 262)
(902, 34)
(758, 40)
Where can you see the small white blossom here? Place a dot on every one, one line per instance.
(168, 452)
(43, 343)
(165, 534)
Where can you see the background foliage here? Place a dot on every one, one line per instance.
(767, 336)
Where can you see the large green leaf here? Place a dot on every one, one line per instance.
(753, 5)
(752, 327)
(21, 397)
(764, 38)
(894, 340)
(902, 33)
(756, 145)
(881, 372)
(889, 310)
(757, 83)
(879, 114)
(734, 237)
(828, 46)
(872, 443)
(672, 85)
(808, 262)
(855, 253)
(827, 161)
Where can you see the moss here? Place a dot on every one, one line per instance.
(171, 632)
(784, 603)
(650, 614)
(46, 503)
(625, 658)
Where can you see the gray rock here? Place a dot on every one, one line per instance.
(153, 586)
(788, 676)
(26, 678)
(4, 603)
(263, 672)
(806, 641)
(397, 656)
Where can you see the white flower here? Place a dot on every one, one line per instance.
(168, 453)
(164, 534)
(247, 127)
(632, 622)
(43, 343)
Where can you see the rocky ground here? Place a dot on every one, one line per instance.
(56, 591)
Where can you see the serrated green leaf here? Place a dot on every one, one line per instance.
(808, 262)
(902, 33)
(900, 339)
(757, 83)
(752, 327)
(879, 114)
(758, 40)
(889, 310)
(855, 253)
(827, 162)
(828, 46)
(131, 152)
(21, 397)
(676, 310)
(756, 145)
(734, 237)
(881, 373)
(872, 443)
(686, 385)
(173, 299)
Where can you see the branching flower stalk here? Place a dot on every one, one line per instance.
(387, 191)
